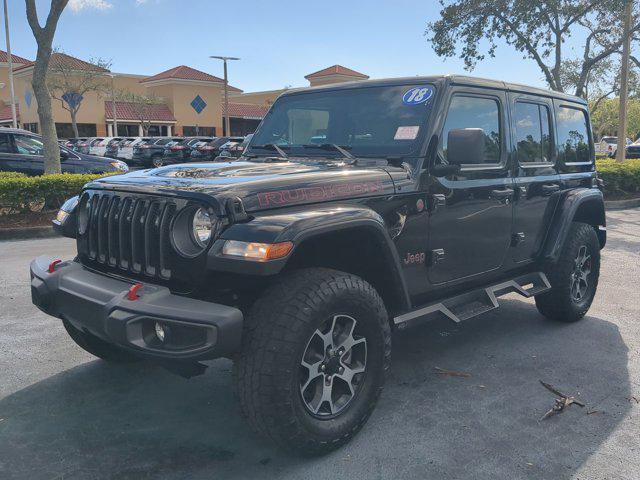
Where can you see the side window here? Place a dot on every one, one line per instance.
(26, 145)
(533, 142)
(475, 112)
(573, 136)
(5, 143)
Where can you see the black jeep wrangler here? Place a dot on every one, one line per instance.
(356, 209)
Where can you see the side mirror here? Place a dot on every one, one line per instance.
(466, 146)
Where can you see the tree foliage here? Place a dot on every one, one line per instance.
(66, 82)
(538, 29)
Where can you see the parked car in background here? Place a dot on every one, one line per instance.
(210, 150)
(71, 143)
(632, 150)
(181, 151)
(125, 149)
(112, 147)
(100, 148)
(22, 151)
(609, 145)
(149, 153)
(234, 149)
(85, 146)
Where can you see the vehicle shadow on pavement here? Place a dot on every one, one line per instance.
(104, 421)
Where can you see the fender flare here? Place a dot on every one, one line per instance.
(582, 204)
(299, 226)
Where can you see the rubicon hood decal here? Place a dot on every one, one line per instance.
(318, 193)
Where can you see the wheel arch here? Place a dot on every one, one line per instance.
(584, 205)
(350, 238)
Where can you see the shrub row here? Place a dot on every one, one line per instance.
(19, 193)
(620, 179)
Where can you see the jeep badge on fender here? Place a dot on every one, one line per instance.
(300, 258)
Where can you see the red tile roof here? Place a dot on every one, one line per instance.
(187, 73)
(4, 58)
(62, 60)
(5, 112)
(126, 111)
(246, 110)
(336, 70)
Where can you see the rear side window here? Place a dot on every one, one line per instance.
(475, 112)
(533, 141)
(573, 136)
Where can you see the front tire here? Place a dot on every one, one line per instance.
(98, 347)
(574, 277)
(157, 161)
(315, 351)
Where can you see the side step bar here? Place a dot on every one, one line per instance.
(473, 303)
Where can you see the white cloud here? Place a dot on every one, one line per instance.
(79, 5)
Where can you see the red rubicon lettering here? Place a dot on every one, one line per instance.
(300, 195)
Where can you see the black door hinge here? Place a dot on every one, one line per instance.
(517, 238)
(437, 256)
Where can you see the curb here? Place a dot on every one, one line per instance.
(622, 204)
(27, 233)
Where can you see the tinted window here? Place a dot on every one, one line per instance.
(533, 141)
(573, 136)
(475, 112)
(26, 145)
(5, 144)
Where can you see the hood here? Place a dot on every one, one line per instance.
(260, 185)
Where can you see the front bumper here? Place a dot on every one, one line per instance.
(98, 304)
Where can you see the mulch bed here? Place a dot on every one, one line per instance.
(27, 219)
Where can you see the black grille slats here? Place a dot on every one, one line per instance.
(129, 233)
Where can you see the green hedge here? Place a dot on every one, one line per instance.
(620, 179)
(19, 193)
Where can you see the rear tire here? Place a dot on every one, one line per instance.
(316, 347)
(98, 347)
(574, 277)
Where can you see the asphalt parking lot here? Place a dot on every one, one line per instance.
(66, 415)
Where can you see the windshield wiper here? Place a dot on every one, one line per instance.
(271, 146)
(332, 146)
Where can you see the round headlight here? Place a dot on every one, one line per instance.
(202, 227)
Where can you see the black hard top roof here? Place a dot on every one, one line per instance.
(443, 79)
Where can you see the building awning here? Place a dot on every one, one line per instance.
(5, 113)
(128, 112)
(247, 111)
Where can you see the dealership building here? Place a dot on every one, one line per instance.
(186, 101)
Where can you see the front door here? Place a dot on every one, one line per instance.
(536, 176)
(470, 223)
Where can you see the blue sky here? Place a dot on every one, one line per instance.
(278, 41)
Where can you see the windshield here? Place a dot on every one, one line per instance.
(371, 121)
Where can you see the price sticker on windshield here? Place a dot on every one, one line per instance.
(417, 95)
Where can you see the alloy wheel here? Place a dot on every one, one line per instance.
(580, 275)
(333, 367)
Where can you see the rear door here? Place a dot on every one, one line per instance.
(470, 230)
(537, 182)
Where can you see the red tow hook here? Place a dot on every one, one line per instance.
(52, 265)
(132, 294)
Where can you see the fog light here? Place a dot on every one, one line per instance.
(160, 331)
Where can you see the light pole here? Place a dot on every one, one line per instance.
(10, 62)
(227, 127)
(113, 105)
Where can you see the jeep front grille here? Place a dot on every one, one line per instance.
(129, 233)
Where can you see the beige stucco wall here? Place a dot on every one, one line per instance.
(178, 96)
(264, 99)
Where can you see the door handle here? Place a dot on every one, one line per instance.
(504, 196)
